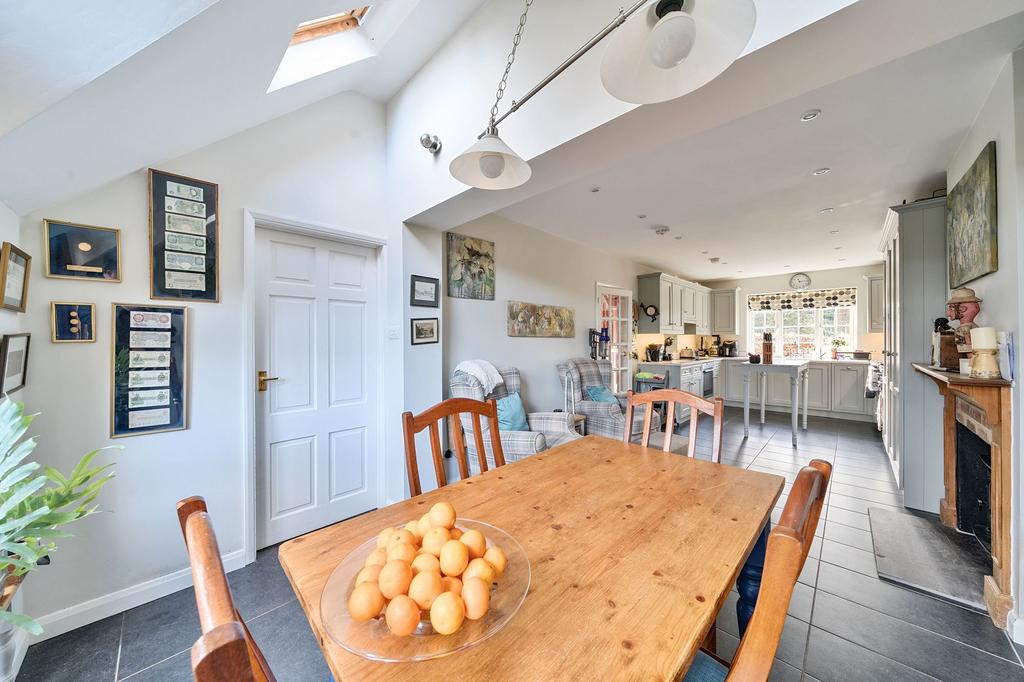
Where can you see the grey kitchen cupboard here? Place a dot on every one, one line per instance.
(819, 382)
(876, 303)
(724, 311)
(681, 306)
(848, 388)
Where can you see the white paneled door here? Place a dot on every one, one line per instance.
(316, 419)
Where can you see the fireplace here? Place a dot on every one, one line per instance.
(973, 484)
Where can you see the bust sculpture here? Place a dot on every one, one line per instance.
(963, 305)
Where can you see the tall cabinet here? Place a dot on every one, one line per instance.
(914, 248)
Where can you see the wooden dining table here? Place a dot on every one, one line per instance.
(632, 550)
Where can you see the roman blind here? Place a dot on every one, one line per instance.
(796, 300)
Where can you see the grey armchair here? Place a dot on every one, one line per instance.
(603, 419)
(547, 429)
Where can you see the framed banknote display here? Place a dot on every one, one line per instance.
(149, 369)
(184, 226)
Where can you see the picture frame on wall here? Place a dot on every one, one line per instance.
(423, 331)
(13, 362)
(72, 322)
(77, 251)
(14, 272)
(184, 238)
(424, 292)
(149, 369)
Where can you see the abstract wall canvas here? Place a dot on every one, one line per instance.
(972, 223)
(470, 267)
(531, 319)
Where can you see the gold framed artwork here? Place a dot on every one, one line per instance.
(14, 271)
(72, 322)
(149, 369)
(184, 238)
(532, 319)
(77, 251)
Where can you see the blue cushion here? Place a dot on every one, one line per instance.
(705, 669)
(601, 394)
(511, 415)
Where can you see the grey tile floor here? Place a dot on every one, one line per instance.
(844, 623)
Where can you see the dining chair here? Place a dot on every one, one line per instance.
(697, 405)
(788, 544)
(451, 409)
(226, 650)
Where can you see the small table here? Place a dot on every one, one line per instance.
(797, 371)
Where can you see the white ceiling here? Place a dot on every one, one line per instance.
(51, 48)
(744, 191)
(202, 82)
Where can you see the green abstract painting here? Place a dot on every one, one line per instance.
(972, 223)
(470, 267)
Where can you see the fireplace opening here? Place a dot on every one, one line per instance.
(973, 485)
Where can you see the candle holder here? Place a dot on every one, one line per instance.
(984, 364)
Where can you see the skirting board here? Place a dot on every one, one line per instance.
(755, 409)
(65, 620)
(1016, 628)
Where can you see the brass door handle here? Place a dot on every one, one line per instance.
(262, 379)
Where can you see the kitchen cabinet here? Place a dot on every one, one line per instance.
(724, 311)
(703, 312)
(689, 295)
(734, 383)
(819, 386)
(876, 304)
(683, 307)
(848, 388)
(778, 389)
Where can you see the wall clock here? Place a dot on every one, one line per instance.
(799, 281)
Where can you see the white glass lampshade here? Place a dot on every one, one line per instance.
(654, 59)
(490, 164)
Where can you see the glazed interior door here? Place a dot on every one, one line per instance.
(316, 440)
(615, 311)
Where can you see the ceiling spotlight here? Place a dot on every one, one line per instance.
(595, 190)
(678, 238)
(827, 210)
(704, 253)
(660, 229)
(641, 216)
(714, 260)
(838, 248)
(833, 231)
(842, 260)
(822, 171)
(725, 262)
(810, 115)
(432, 143)
(787, 266)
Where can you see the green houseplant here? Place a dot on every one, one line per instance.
(837, 343)
(35, 506)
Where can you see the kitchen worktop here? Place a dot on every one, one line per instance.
(744, 358)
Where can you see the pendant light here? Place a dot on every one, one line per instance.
(673, 47)
(490, 163)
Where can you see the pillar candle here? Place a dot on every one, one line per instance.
(983, 338)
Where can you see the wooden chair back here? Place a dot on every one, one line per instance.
(451, 409)
(697, 405)
(226, 650)
(788, 544)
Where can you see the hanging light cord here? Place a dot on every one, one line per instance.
(503, 83)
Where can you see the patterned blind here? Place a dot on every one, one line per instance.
(813, 298)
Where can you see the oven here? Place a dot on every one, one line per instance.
(708, 372)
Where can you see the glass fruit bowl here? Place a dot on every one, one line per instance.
(373, 640)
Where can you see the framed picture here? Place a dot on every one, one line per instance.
(14, 273)
(72, 322)
(470, 263)
(531, 319)
(13, 362)
(423, 331)
(75, 251)
(424, 292)
(972, 222)
(149, 369)
(184, 239)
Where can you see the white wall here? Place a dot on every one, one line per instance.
(536, 267)
(1002, 292)
(323, 164)
(820, 279)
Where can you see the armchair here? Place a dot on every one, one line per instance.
(547, 429)
(603, 419)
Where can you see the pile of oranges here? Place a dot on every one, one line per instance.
(428, 569)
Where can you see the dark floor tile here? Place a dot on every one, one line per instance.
(158, 630)
(833, 659)
(940, 617)
(809, 573)
(285, 638)
(177, 668)
(260, 586)
(801, 601)
(861, 539)
(82, 655)
(915, 647)
(849, 557)
(848, 518)
(794, 633)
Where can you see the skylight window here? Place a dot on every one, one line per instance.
(322, 45)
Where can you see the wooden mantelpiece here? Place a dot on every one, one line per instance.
(993, 398)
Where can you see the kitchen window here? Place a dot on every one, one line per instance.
(805, 333)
